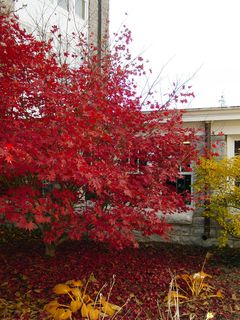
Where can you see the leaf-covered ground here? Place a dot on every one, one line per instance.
(27, 277)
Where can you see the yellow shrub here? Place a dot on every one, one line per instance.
(81, 304)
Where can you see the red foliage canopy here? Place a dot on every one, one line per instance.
(74, 145)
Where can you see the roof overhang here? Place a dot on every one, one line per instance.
(211, 114)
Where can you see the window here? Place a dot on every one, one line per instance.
(183, 184)
(64, 4)
(237, 153)
(233, 145)
(80, 8)
(237, 148)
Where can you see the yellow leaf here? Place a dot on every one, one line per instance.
(201, 275)
(219, 294)
(208, 255)
(205, 275)
(37, 290)
(18, 294)
(86, 298)
(114, 307)
(185, 277)
(175, 295)
(76, 292)
(92, 278)
(84, 311)
(61, 288)
(106, 308)
(62, 314)
(52, 306)
(75, 283)
(75, 305)
(94, 314)
(210, 315)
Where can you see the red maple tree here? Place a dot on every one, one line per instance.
(77, 154)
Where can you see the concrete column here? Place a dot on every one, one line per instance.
(98, 24)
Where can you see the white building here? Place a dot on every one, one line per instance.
(191, 227)
(89, 17)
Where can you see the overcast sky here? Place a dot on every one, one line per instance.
(202, 36)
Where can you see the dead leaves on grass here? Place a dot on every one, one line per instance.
(142, 273)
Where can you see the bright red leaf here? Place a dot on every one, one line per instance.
(81, 156)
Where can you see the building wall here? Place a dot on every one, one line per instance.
(39, 16)
(5, 6)
(188, 227)
(98, 27)
(191, 231)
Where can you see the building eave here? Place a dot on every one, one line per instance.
(211, 114)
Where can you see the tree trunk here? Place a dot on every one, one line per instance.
(50, 250)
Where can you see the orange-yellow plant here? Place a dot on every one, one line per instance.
(81, 304)
(193, 287)
(217, 182)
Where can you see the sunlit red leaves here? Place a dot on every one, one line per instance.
(77, 137)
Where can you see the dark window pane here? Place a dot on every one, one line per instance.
(182, 186)
(237, 147)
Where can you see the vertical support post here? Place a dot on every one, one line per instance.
(207, 127)
(99, 34)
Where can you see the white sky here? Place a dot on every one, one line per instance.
(192, 34)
